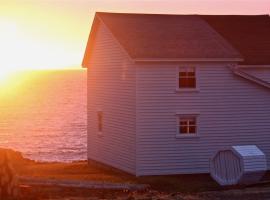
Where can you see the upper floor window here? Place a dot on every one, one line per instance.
(187, 125)
(187, 77)
(100, 121)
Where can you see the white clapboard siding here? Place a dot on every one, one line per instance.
(140, 104)
(231, 111)
(111, 89)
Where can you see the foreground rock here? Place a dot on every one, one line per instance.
(8, 178)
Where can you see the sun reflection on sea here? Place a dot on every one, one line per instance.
(38, 107)
(11, 82)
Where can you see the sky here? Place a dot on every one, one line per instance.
(52, 34)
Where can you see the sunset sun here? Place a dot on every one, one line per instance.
(8, 39)
(31, 46)
(5, 74)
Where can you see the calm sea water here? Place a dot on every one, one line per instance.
(44, 115)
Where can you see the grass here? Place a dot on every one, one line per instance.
(74, 171)
(81, 170)
(93, 172)
(181, 183)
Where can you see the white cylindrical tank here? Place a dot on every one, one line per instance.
(238, 165)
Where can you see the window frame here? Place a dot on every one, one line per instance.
(100, 129)
(187, 135)
(187, 89)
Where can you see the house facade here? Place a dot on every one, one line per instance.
(165, 92)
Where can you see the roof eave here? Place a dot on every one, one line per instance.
(237, 71)
(89, 45)
(188, 59)
(254, 66)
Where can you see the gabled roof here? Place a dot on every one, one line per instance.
(250, 35)
(156, 36)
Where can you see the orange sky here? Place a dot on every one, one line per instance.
(46, 34)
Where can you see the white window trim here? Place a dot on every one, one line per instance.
(179, 90)
(187, 114)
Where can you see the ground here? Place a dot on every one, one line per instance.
(58, 193)
(192, 187)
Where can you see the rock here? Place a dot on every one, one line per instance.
(130, 197)
(176, 196)
(15, 158)
(8, 178)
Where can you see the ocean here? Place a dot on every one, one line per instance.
(43, 115)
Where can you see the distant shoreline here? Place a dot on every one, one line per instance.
(56, 69)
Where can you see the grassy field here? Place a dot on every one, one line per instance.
(81, 170)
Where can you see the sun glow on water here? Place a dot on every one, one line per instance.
(11, 82)
(22, 52)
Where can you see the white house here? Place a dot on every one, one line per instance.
(167, 91)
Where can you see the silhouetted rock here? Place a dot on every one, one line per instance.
(8, 178)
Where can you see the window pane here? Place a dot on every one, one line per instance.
(182, 74)
(192, 122)
(183, 82)
(191, 83)
(192, 129)
(183, 129)
(183, 122)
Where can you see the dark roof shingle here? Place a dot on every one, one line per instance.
(157, 36)
(167, 36)
(250, 35)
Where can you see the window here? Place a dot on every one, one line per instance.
(100, 121)
(187, 77)
(187, 125)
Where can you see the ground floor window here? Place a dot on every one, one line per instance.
(187, 125)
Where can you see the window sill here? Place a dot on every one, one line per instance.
(178, 90)
(187, 136)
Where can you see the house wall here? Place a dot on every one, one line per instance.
(231, 111)
(111, 89)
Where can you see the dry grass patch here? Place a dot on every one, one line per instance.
(81, 170)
